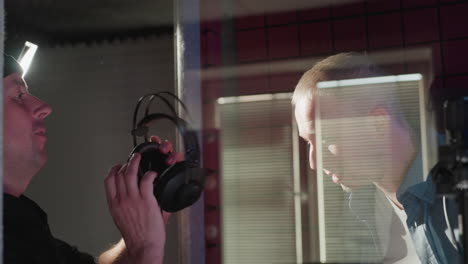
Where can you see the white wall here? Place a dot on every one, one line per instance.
(93, 90)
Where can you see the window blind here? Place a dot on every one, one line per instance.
(342, 237)
(258, 216)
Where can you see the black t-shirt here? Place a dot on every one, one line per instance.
(27, 237)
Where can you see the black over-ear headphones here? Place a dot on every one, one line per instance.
(177, 186)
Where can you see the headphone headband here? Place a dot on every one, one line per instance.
(178, 185)
(191, 147)
(141, 132)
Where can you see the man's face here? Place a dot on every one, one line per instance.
(23, 126)
(305, 119)
(349, 142)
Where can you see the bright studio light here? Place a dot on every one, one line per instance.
(371, 80)
(27, 55)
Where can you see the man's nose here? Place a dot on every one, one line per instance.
(41, 109)
(312, 157)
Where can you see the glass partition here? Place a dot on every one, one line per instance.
(320, 123)
(349, 178)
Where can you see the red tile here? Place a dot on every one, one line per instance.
(248, 85)
(314, 13)
(421, 25)
(213, 254)
(436, 59)
(455, 54)
(385, 30)
(340, 9)
(454, 20)
(456, 86)
(211, 49)
(211, 191)
(281, 18)
(436, 98)
(382, 5)
(350, 34)
(283, 82)
(203, 49)
(211, 25)
(416, 3)
(251, 45)
(436, 89)
(283, 41)
(211, 89)
(246, 22)
(211, 154)
(315, 38)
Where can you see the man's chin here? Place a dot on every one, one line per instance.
(41, 159)
(346, 188)
(356, 186)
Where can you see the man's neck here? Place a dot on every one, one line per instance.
(392, 180)
(17, 179)
(391, 196)
(11, 191)
(15, 184)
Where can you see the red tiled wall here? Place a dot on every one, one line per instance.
(283, 42)
(355, 26)
(359, 25)
(211, 196)
(212, 56)
(251, 45)
(421, 25)
(310, 32)
(349, 34)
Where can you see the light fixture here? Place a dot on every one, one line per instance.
(371, 80)
(26, 56)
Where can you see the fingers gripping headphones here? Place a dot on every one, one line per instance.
(181, 184)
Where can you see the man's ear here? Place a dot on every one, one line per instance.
(380, 120)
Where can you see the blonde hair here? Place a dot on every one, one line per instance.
(341, 66)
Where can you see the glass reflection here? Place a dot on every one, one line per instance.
(365, 135)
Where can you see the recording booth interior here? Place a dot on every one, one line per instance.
(364, 169)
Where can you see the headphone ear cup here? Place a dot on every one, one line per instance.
(151, 159)
(178, 187)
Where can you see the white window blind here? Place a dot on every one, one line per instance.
(258, 214)
(342, 238)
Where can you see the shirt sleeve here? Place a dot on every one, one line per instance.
(70, 255)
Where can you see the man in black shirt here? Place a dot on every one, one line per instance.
(27, 238)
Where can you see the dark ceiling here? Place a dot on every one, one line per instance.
(57, 22)
(51, 22)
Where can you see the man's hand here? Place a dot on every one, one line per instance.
(135, 210)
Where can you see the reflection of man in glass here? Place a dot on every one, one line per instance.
(368, 147)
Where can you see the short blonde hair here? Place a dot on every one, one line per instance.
(349, 65)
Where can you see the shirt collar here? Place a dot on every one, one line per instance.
(360, 199)
(424, 191)
(22, 208)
